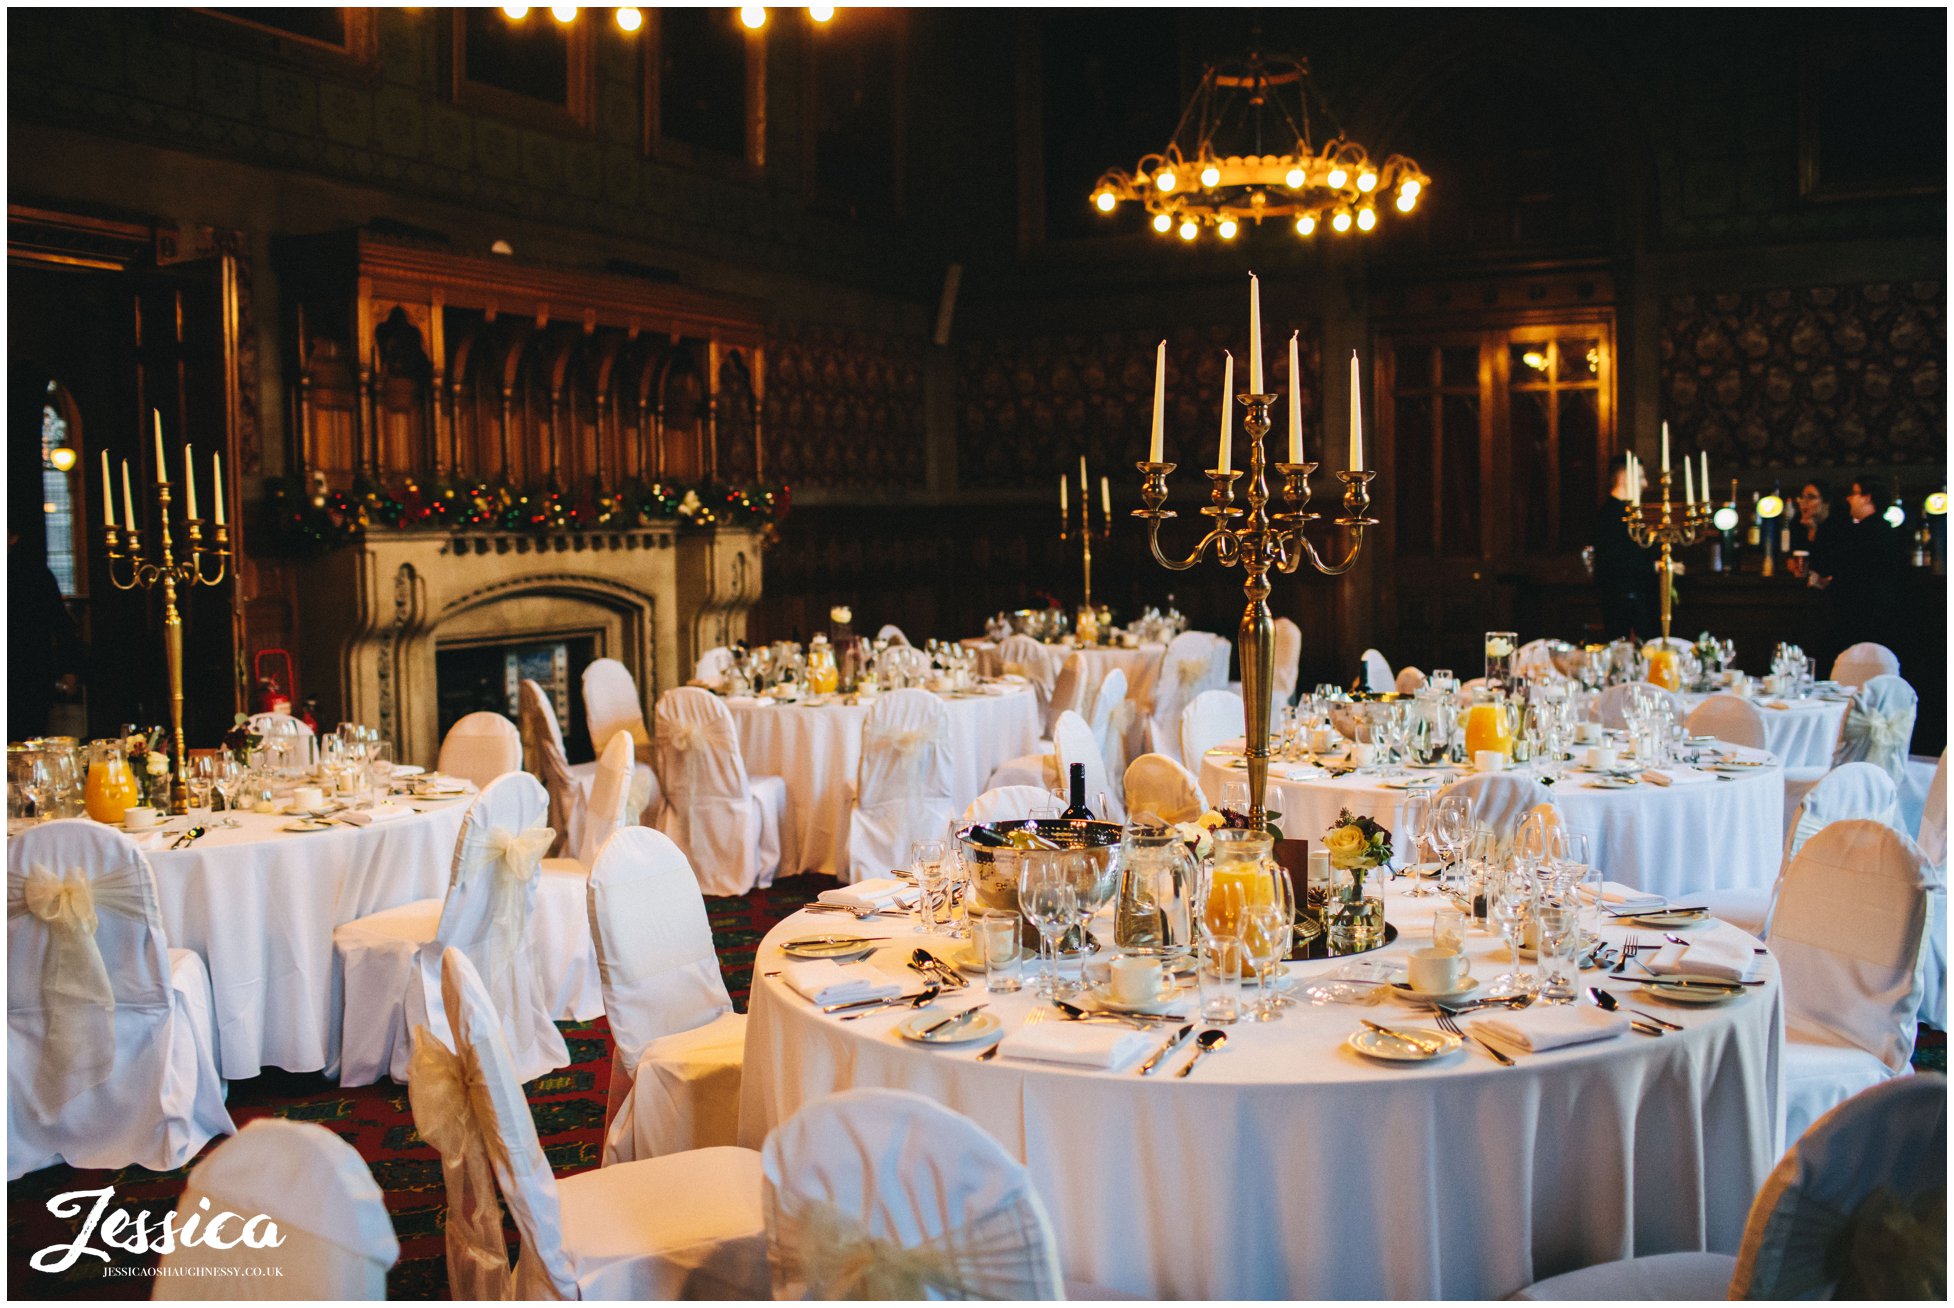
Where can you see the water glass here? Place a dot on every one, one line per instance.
(1220, 979)
(994, 937)
(932, 883)
(1265, 940)
(1557, 934)
(1449, 929)
(380, 768)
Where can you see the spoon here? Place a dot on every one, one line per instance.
(1073, 1013)
(1609, 1004)
(1209, 1040)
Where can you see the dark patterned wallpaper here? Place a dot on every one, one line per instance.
(844, 408)
(1819, 376)
(1028, 407)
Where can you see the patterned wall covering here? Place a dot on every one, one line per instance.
(1028, 407)
(844, 408)
(1819, 376)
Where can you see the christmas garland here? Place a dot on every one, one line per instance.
(305, 525)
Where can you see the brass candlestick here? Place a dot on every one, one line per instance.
(125, 545)
(1667, 526)
(1085, 534)
(1258, 541)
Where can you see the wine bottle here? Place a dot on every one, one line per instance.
(989, 839)
(1078, 811)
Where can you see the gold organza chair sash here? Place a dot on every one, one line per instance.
(513, 859)
(821, 1253)
(450, 1112)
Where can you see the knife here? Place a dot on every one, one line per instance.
(953, 1021)
(1179, 1038)
(1428, 1046)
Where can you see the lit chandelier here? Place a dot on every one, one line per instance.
(1242, 107)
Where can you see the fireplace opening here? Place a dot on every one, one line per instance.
(478, 677)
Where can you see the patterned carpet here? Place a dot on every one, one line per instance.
(568, 1104)
(376, 1120)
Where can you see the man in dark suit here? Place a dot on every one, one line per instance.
(1625, 580)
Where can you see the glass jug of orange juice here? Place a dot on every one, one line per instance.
(1241, 876)
(822, 675)
(111, 787)
(1665, 668)
(1488, 725)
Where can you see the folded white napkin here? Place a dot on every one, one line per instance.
(1727, 960)
(154, 840)
(993, 688)
(1297, 771)
(1079, 1044)
(1614, 892)
(1673, 776)
(824, 981)
(882, 892)
(361, 817)
(1550, 1028)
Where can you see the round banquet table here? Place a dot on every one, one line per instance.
(1698, 833)
(260, 904)
(1289, 1167)
(817, 748)
(1140, 663)
(1801, 732)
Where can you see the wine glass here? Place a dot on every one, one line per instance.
(380, 768)
(1234, 802)
(932, 883)
(962, 896)
(1049, 902)
(1264, 930)
(1509, 897)
(1448, 829)
(1414, 828)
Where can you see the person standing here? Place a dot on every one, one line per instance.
(1863, 584)
(1625, 579)
(1818, 531)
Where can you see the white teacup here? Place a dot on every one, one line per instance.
(1587, 733)
(310, 799)
(1435, 971)
(139, 818)
(1601, 757)
(1489, 760)
(1362, 755)
(1135, 980)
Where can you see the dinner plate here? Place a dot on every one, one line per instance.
(1614, 783)
(831, 947)
(1659, 918)
(984, 1026)
(306, 824)
(1403, 990)
(1375, 1044)
(1714, 991)
(1172, 994)
(407, 770)
(1411, 783)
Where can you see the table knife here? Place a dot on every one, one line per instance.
(1179, 1039)
(1428, 1046)
(952, 1021)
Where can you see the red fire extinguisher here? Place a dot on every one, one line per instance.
(273, 696)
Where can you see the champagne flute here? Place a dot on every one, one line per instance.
(926, 862)
(1509, 894)
(1048, 901)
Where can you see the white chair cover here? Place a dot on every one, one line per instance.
(1932, 832)
(1847, 935)
(1878, 729)
(1730, 718)
(1072, 742)
(1221, 652)
(1933, 847)
(903, 788)
(1158, 785)
(1004, 804)
(1860, 663)
(543, 755)
(1209, 718)
(110, 1046)
(1186, 669)
(1875, 1165)
(892, 633)
(883, 1194)
(278, 724)
(480, 747)
(1500, 799)
(572, 988)
(611, 704)
(727, 823)
(713, 665)
(1410, 680)
(1289, 664)
(673, 1084)
(1535, 659)
(1611, 705)
(391, 960)
(1378, 677)
(1069, 691)
(684, 1227)
(336, 1240)
(1112, 719)
(1020, 655)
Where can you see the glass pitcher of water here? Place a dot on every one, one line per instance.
(1159, 883)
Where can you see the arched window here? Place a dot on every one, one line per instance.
(60, 461)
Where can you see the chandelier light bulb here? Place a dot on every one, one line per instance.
(1162, 223)
(1770, 506)
(62, 457)
(1411, 187)
(1342, 221)
(821, 13)
(1338, 177)
(1106, 201)
(1895, 514)
(1366, 218)
(1406, 202)
(1936, 505)
(1366, 181)
(630, 20)
(753, 16)
(1306, 225)
(1295, 179)
(516, 13)
(1228, 229)
(1166, 181)
(1188, 230)
(564, 13)
(1211, 177)
(1725, 518)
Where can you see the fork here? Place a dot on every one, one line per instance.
(1447, 1022)
(1630, 948)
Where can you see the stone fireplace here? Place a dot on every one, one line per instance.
(375, 616)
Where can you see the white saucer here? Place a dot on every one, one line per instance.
(984, 1026)
(1172, 994)
(811, 947)
(1375, 1044)
(1712, 994)
(1669, 921)
(1403, 990)
(306, 824)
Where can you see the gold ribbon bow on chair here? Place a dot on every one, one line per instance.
(1190, 672)
(822, 1253)
(513, 858)
(78, 1045)
(905, 747)
(1884, 733)
(442, 1087)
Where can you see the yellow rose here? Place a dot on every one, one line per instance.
(1348, 846)
(1212, 820)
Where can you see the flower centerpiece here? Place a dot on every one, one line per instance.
(1354, 915)
(1199, 834)
(149, 760)
(240, 740)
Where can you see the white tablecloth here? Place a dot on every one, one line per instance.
(1802, 733)
(1698, 834)
(1141, 663)
(817, 749)
(260, 904)
(1290, 1167)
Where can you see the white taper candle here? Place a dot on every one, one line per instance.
(1356, 416)
(1255, 334)
(189, 482)
(217, 475)
(108, 492)
(1295, 404)
(1157, 453)
(1224, 461)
